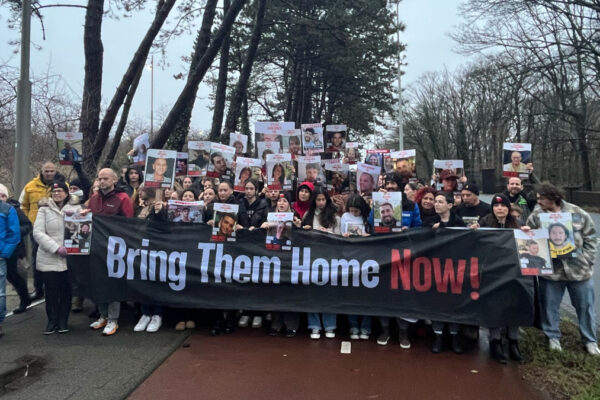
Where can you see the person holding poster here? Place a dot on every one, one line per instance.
(517, 159)
(572, 273)
(48, 232)
(160, 168)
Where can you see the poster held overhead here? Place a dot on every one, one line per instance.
(517, 160)
(367, 177)
(336, 138)
(69, 147)
(181, 165)
(351, 153)
(291, 142)
(279, 171)
(141, 144)
(221, 161)
(453, 168)
(160, 168)
(335, 176)
(265, 148)
(309, 169)
(246, 169)
(239, 142)
(403, 161)
(198, 157)
(312, 138)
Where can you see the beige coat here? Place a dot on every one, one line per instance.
(49, 231)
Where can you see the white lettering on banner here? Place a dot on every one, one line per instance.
(218, 266)
(173, 270)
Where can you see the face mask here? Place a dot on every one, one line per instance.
(78, 193)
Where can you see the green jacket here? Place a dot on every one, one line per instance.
(581, 266)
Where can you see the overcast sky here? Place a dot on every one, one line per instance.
(428, 49)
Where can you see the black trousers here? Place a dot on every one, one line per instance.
(38, 280)
(58, 297)
(15, 279)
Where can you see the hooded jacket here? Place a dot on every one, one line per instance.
(9, 230)
(35, 190)
(127, 188)
(49, 233)
(301, 207)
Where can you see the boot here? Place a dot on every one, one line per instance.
(438, 343)
(23, 306)
(496, 351)
(457, 347)
(514, 351)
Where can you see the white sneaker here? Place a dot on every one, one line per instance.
(554, 345)
(155, 323)
(142, 324)
(330, 334)
(315, 334)
(354, 334)
(268, 317)
(592, 348)
(257, 321)
(243, 322)
(110, 328)
(99, 323)
(364, 336)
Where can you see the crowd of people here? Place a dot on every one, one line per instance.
(342, 210)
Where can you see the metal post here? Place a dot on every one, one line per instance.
(151, 95)
(23, 131)
(400, 116)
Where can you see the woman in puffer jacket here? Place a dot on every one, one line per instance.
(48, 231)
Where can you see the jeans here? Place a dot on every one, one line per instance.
(438, 327)
(2, 289)
(582, 298)
(329, 321)
(151, 309)
(110, 311)
(14, 278)
(365, 323)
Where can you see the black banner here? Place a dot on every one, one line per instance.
(463, 276)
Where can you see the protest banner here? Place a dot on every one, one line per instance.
(464, 276)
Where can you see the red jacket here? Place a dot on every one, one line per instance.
(112, 203)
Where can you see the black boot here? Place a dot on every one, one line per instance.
(23, 306)
(514, 351)
(496, 351)
(438, 343)
(457, 345)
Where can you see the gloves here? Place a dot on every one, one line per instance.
(62, 251)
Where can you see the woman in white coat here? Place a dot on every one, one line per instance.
(48, 231)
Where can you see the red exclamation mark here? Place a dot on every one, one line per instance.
(474, 274)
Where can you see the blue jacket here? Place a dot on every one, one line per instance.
(10, 231)
(411, 216)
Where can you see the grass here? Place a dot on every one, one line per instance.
(571, 374)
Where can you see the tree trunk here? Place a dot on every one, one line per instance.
(238, 95)
(182, 128)
(205, 62)
(139, 59)
(123, 120)
(92, 82)
(221, 90)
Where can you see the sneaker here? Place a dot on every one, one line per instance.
(592, 348)
(257, 321)
(142, 324)
(268, 317)
(273, 332)
(384, 337)
(50, 328)
(155, 324)
(77, 304)
(330, 334)
(244, 320)
(190, 324)
(315, 334)
(403, 339)
(180, 326)
(364, 336)
(354, 334)
(110, 328)
(98, 324)
(554, 345)
(290, 333)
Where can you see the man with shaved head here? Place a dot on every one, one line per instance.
(109, 200)
(37, 189)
